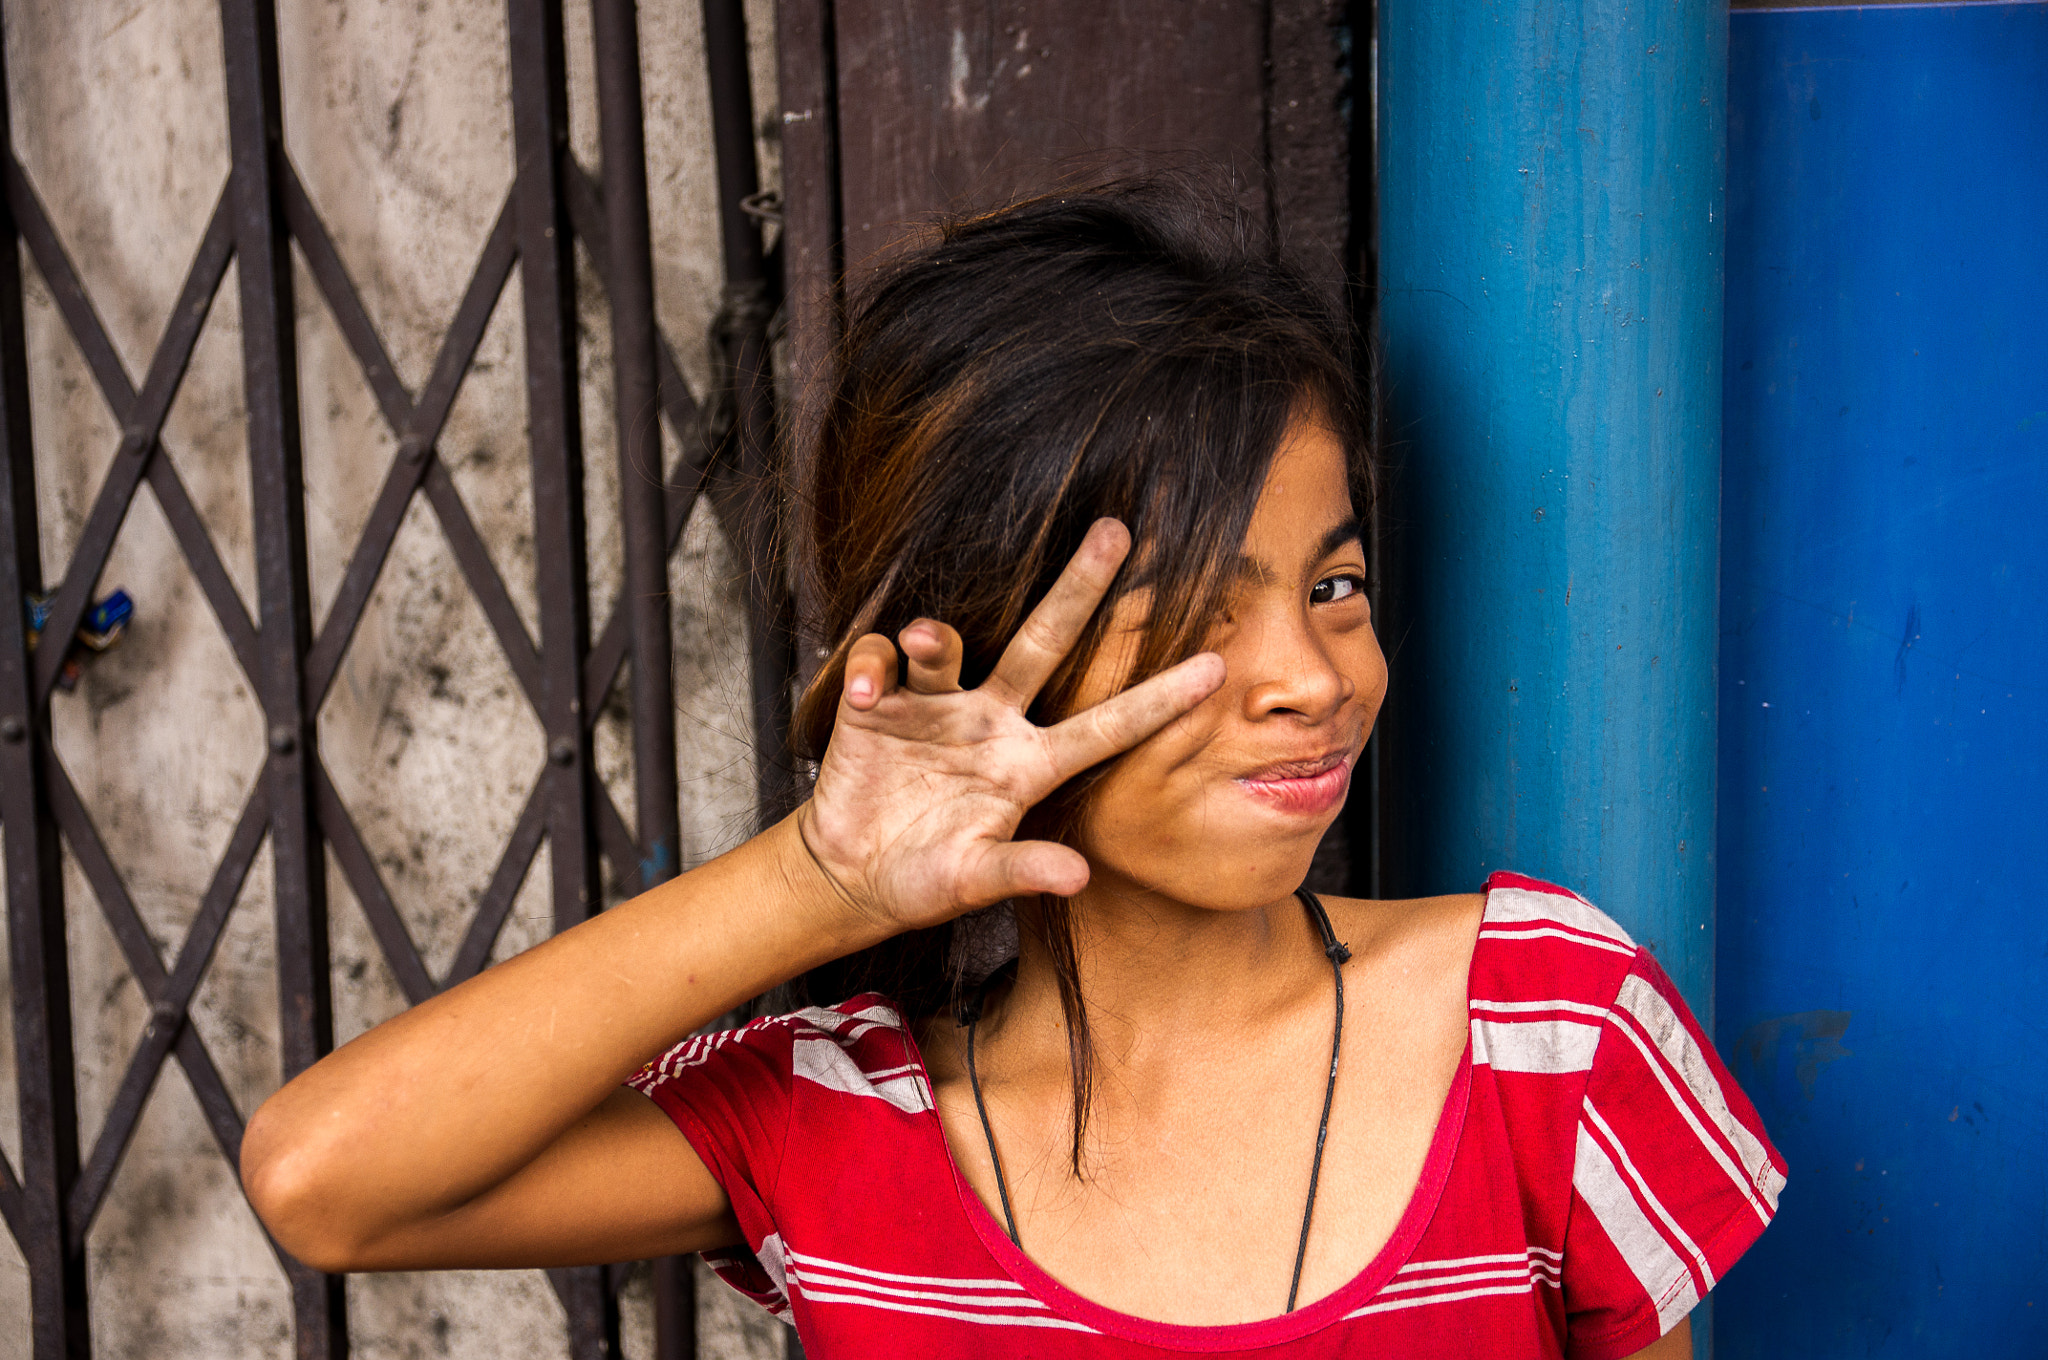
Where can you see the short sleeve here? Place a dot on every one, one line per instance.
(1672, 1175)
(730, 1094)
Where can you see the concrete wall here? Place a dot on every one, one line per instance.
(397, 119)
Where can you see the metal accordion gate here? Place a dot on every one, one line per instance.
(565, 674)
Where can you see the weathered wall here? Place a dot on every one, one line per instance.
(397, 119)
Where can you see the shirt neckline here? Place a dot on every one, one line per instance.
(1310, 1318)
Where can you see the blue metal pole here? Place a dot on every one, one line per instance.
(1551, 191)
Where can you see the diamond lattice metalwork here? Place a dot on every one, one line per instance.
(565, 674)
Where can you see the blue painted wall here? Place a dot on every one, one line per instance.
(1550, 180)
(1883, 948)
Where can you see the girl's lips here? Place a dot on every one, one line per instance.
(1303, 789)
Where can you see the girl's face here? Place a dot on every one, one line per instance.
(1223, 809)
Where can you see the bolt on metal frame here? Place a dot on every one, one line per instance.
(290, 664)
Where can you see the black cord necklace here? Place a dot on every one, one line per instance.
(970, 1015)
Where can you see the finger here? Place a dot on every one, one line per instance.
(1049, 633)
(1117, 724)
(934, 650)
(1024, 869)
(870, 672)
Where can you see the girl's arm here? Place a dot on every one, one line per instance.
(487, 1127)
(1675, 1344)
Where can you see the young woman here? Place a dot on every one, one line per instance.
(1086, 507)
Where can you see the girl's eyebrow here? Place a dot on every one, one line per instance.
(1349, 529)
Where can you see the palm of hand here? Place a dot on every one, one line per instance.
(918, 799)
(924, 784)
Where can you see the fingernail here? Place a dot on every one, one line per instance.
(860, 689)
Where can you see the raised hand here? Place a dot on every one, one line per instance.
(924, 783)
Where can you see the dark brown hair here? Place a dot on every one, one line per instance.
(1129, 350)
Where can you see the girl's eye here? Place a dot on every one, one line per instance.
(1332, 589)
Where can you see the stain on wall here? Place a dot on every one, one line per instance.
(1809, 1040)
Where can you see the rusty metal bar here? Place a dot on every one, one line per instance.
(38, 960)
(732, 136)
(203, 558)
(675, 403)
(359, 868)
(161, 988)
(675, 1309)
(417, 424)
(587, 1294)
(138, 948)
(32, 225)
(547, 291)
(141, 413)
(496, 903)
(480, 573)
(170, 995)
(587, 213)
(615, 839)
(748, 303)
(141, 416)
(330, 276)
(812, 259)
(277, 495)
(629, 285)
(547, 281)
(12, 1210)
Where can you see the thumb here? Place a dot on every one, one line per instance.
(1025, 869)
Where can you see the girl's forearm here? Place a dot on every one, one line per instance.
(437, 1106)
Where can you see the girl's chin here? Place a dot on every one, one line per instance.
(1262, 874)
(1227, 853)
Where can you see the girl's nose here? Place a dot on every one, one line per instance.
(1294, 674)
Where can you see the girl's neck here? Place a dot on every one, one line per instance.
(1156, 974)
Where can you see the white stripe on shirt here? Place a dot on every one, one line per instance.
(949, 1281)
(824, 1281)
(831, 1066)
(1395, 1305)
(1523, 1007)
(811, 1281)
(1466, 1262)
(1590, 941)
(1525, 1273)
(1547, 1046)
(986, 1319)
(1644, 1250)
(1673, 1231)
(1420, 1283)
(1544, 908)
(1674, 1043)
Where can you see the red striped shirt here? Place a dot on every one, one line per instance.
(1594, 1173)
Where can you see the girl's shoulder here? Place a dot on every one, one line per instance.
(1428, 934)
(1539, 943)
(1484, 931)
(1531, 970)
